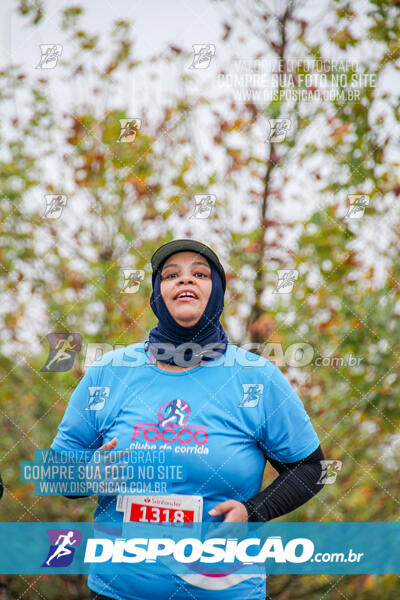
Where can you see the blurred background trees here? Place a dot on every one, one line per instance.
(279, 205)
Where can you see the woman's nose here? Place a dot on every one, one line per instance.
(187, 278)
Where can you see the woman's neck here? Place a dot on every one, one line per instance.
(166, 367)
(162, 365)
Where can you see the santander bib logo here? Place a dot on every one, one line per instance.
(172, 426)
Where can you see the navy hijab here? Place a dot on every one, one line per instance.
(207, 330)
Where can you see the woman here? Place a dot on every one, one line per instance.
(219, 410)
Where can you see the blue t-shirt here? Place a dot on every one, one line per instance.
(222, 420)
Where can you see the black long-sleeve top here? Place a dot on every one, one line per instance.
(296, 484)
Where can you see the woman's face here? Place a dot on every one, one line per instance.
(186, 272)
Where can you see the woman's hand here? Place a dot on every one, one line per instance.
(235, 512)
(109, 445)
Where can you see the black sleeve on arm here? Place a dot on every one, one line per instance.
(295, 485)
(73, 497)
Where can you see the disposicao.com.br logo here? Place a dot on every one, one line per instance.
(210, 551)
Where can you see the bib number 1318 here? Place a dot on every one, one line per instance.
(174, 508)
(153, 514)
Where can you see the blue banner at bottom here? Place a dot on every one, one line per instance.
(212, 548)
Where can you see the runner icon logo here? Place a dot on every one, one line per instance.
(98, 397)
(63, 348)
(252, 393)
(61, 552)
(175, 411)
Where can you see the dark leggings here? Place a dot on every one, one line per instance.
(96, 596)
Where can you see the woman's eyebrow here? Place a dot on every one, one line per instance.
(203, 264)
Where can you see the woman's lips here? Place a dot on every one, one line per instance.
(185, 299)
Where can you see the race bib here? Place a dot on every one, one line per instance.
(175, 508)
